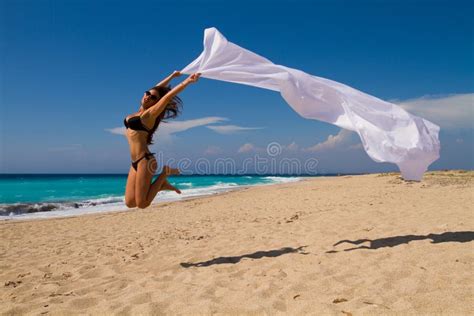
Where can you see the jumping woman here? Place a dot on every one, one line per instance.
(157, 104)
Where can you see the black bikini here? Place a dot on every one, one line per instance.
(136, 124)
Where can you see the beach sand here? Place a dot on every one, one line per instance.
(348, 245)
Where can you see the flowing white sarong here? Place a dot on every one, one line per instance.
(388, 133)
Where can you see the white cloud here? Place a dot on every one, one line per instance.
(292, 147)
(274, 146)
(231, 129)
(248, 147)
(166, 130)
(448, 111)
(116, 130)
(174, 127)
(342, 140)
(212, 150)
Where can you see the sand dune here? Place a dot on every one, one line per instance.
(350, 245)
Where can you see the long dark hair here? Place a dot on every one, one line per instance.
(172, 110)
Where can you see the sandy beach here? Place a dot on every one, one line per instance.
(348, 245)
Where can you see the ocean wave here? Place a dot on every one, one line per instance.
(221, 183)
(188, 184)
(28, 208)
(282, 179)
(219, 187)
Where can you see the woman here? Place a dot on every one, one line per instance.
(158, 103)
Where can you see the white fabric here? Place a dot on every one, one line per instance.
(388, 133)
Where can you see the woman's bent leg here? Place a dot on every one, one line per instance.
(161, 183)
(145, 171)
(156, 187)
(130, 189)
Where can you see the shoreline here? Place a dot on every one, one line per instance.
(225, 191)
(98, 212)
(368, 244)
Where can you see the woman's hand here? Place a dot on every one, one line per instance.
(193, 78)
(167, 80)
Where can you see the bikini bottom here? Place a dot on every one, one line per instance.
(147, 156)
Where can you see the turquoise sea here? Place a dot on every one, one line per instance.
(51, 195)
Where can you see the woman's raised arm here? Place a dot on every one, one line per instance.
(167, 80)
(160, 106)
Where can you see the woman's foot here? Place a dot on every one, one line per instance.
(169, 187)
(170, 171)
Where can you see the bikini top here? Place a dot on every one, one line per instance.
(135, 123)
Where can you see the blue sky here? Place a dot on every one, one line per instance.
(72, 70)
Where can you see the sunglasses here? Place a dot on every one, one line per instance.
(152, 96)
